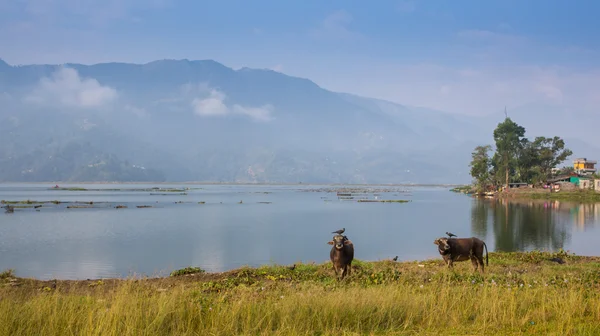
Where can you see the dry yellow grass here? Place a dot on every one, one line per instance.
(520, 294)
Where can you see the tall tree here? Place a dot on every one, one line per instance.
(480, 166)
(509, 140)
(526, 161)
(550, 152)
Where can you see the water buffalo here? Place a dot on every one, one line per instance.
(461, 249)
(9, 209)
(341, 255)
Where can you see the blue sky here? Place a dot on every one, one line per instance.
(471, 57)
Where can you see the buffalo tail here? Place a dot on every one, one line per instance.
(486, 255)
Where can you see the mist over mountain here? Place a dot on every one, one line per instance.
(181, 120)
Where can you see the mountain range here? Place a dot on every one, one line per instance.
(182, 120)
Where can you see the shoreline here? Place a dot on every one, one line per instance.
(576, 195)
(519, 293)
(198, 274)
(579, 196)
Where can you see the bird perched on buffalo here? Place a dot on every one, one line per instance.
(450, 234)
(340, 231)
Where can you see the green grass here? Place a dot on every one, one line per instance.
(520, 293)
(582, 196)
(575, 196)
(7, 274)
(466, 189)
(187, 270)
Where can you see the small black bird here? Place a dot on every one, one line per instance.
(395, 258)
(450, 234)
(340, 231)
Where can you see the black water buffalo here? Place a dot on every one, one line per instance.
(461, 249)
(341, 255)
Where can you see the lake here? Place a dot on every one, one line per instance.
(221, 227)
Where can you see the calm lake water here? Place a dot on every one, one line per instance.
(273, 224)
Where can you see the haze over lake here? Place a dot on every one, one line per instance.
(253, 225)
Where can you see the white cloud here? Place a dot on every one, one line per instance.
(262, 113)
(214, 105)
(67, 88)
(211, 106)
(278, 68)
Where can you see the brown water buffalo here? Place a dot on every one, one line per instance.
(341, 255)
(461, 249)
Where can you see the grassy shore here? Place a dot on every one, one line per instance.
(577, 195)
(520, 293)
(465, 189)
(583, 196)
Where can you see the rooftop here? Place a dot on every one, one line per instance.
(584, 160)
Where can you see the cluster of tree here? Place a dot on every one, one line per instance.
(516, 159)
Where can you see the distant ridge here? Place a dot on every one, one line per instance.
(199, 120)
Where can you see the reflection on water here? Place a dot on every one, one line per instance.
(522, 225)
(211, 229)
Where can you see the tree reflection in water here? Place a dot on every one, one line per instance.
(521, 225)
